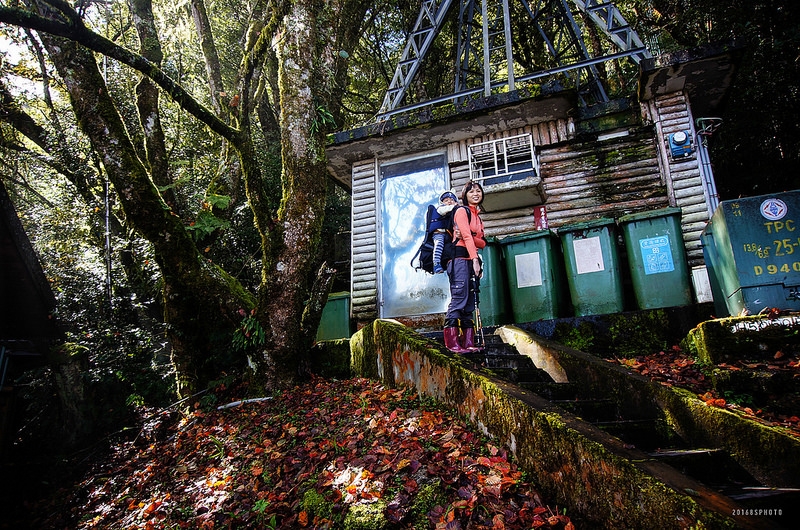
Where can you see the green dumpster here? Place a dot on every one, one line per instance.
(534, 271)
(656, 258)
(493, 296)
(592, 263)
(752, 247)
(335, 321)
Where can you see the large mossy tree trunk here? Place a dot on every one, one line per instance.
(310, 82)
(200, 300)
(204, 305)
(293, 244)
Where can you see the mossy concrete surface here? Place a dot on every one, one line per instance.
(755, 388)
(743, 338)
(592, 474)
(769, 454)
(541, 357)
(622, 334)
(331, 358)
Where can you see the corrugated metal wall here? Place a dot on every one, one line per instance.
(685, 177)
(364, 244)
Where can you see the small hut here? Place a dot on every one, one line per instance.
(543, 155)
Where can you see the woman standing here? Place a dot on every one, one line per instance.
(459, 328)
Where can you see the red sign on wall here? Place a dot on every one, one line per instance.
(540, 217)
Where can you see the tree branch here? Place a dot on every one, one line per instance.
(79, 33)
(210, 55)
(64, 161)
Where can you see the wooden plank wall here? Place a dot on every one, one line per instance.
(581, 180)
(545, 133)
(508, 221)
(590, 180)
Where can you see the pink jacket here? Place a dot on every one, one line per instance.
(471, 231)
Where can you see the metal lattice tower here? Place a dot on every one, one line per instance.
(484, 48)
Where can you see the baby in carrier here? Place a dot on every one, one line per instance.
(439, 226)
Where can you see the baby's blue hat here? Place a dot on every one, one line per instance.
(447, 194)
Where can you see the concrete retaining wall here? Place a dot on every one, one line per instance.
(581, 468)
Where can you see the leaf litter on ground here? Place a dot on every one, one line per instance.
(305, 459)
(674, 367)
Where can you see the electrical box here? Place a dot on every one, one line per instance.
(752, 250)
(680, 144)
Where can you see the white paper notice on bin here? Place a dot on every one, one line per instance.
(588, 255)
(529, 270)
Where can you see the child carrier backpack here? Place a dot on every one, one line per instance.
(433, 222)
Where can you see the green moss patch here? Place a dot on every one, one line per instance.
(743, 338)
(331, 358)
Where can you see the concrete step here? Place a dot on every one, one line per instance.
(637, 427)
(550, 390)
(591, 410)
(519, 375)
(645, 434)
(491, 359)
(713, 467)
(501, 360)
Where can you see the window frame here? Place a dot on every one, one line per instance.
(503, 160)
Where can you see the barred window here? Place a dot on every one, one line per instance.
(503, 160)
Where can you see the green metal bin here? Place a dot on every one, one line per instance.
(493, 289)
(592, 264)
(335, 320)
(534, 271)
(656, 258)
(711, 257)
(752, 249)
